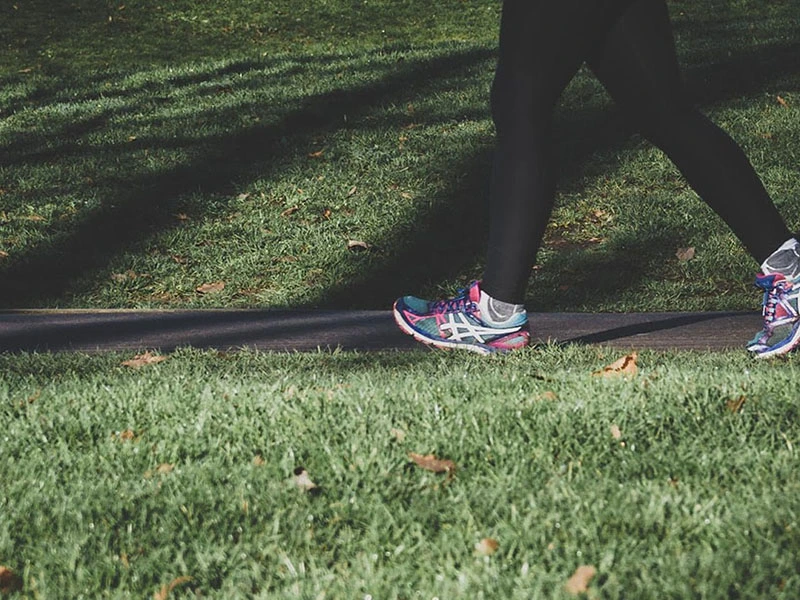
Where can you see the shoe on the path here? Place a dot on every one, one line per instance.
(457, 323)
(781, 332)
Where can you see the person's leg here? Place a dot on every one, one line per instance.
(542, 45)
(636, 63)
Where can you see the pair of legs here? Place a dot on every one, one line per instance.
(628, 44)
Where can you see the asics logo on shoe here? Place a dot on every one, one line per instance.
(459, 327)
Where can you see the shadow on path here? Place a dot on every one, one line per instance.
(307, 330)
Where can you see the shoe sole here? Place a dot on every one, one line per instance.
(785, 347)
(406, 328)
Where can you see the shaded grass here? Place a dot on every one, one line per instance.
(692, 500)
(242, 144)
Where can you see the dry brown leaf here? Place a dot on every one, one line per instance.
(579, 582)
(290, 211)
(126, 435)
(140, 360)
(735, 405)
(162, 469)
(242, 197)
(259, 461)
(430, 463)
(357, 245)
(615, 432)
(685, 254)
(782, 102)
(3, 254)
(128, 275)
(326, 214)
(486, 547)
(167, 588)
(303, 481)
(10, 582)
(317, 154)
(182, 216)
(210, 288)
(352, 191)
(35, 218)
(548, 395)
(625, 366)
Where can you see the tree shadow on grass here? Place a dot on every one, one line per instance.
(446, 242)
(146, 204)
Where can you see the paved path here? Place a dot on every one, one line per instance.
(303, 330)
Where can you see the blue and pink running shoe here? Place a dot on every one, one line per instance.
(457, 323)
(781, 333)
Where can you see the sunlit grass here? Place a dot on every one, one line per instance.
(118, 481)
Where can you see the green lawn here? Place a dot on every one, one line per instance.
(149, 149)
(118, 481)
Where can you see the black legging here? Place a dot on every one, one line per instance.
(628, 44)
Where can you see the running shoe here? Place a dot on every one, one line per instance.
(457, 323)
(781, 332)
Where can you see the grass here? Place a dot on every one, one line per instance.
(150, 150)
(119, 481)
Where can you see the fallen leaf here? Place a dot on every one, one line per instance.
(624, 366)
(259, 461)
(35, 218)
(162, 469)
(579, 582)
(3, 254)
(357, 245)
(685, 254)
(486, 547)
(182, 217)
(782, 102)
(126, 435)
(140, 360)
(352, 191)
(326, 214)
(303, 481)
(211, 288)
(735, 405)
(290, 211)
(398, 434)
(242, 197)
(26, 69)
(10, 582)
(615, 432)
(167, 588)
(128, 275)
(548, 395)
(430, 463)
(317, 154)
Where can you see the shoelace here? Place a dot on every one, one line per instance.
(773, 297)
(459, 303)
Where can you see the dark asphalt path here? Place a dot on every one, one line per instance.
(278, 330)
